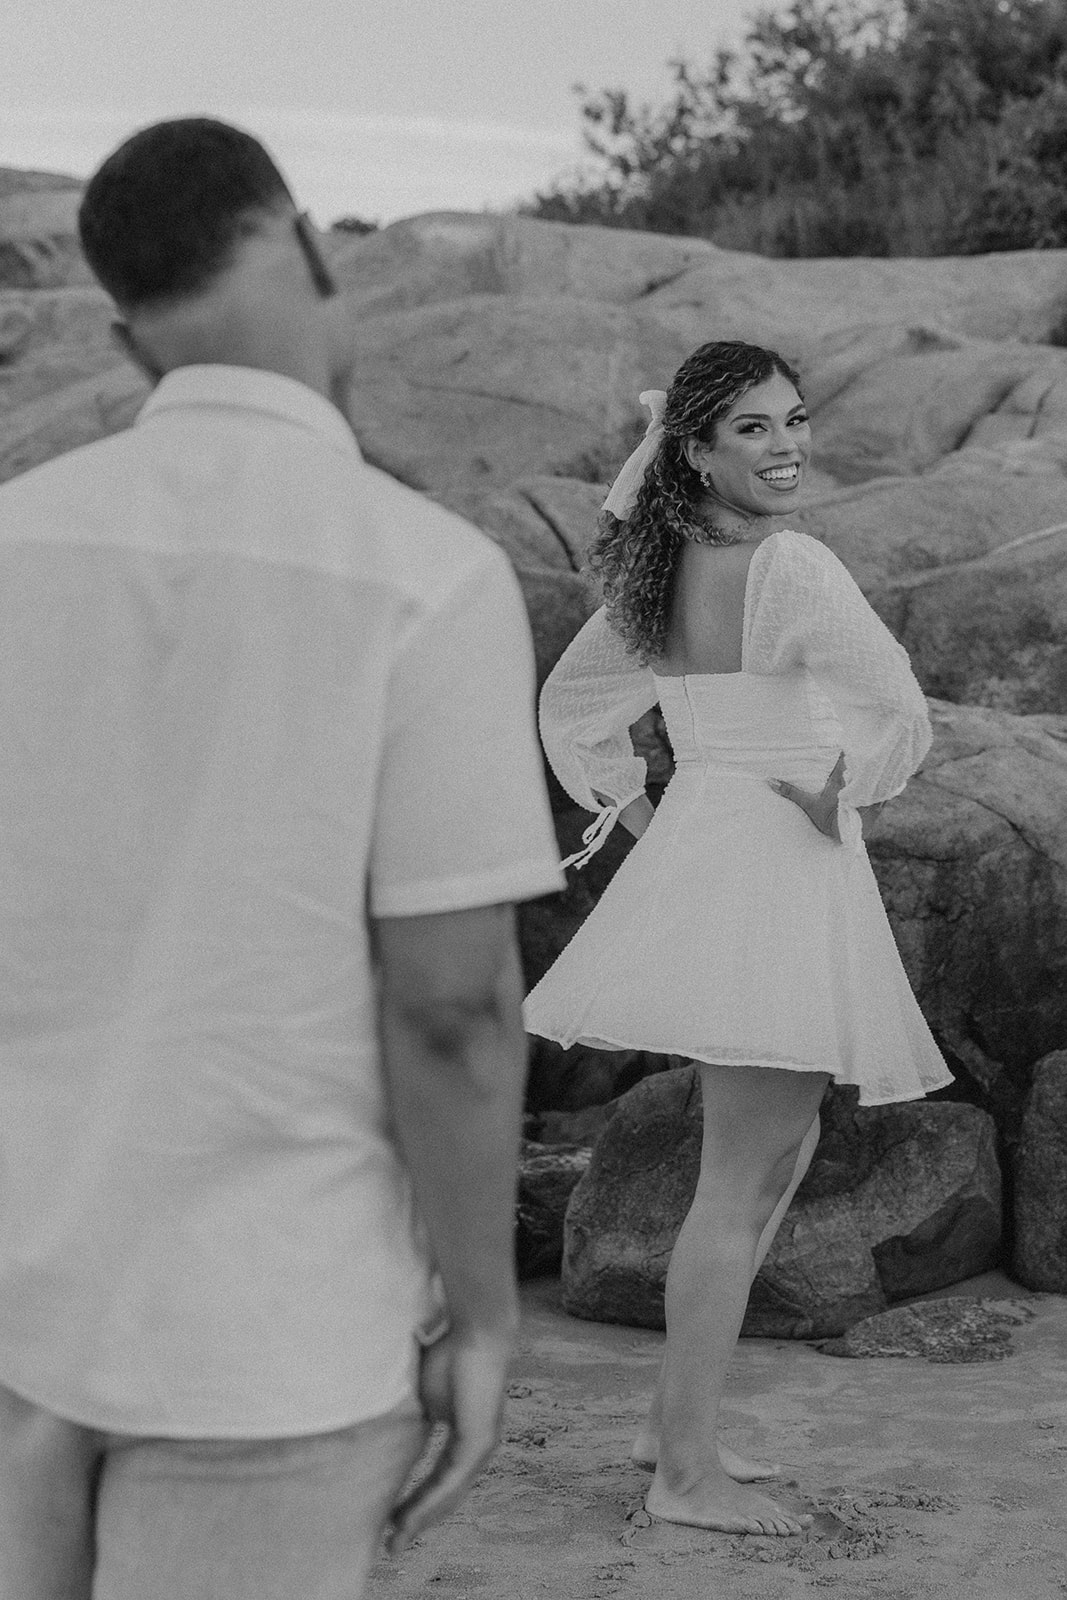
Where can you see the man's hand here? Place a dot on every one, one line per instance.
(821, 807)
(454, 1062)
(461, 1384)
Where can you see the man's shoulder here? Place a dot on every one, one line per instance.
(74, 473)
(431, 552)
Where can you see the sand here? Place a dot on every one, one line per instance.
(947, 1481)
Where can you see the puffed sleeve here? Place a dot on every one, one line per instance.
(589, 701)
(807, 609)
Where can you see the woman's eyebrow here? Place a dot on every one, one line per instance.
(765, 416)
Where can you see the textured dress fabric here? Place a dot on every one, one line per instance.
(735, 932)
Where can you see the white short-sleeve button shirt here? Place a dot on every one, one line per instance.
(249, 687)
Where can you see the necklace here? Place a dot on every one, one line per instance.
(700, 531)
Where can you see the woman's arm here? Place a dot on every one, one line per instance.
(810, 611)
(593, 695)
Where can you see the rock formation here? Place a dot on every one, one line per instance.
(499, 363)
(1040, 1258)
(902, 1199)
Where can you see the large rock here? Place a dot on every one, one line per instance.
(66, 335)
(1014, 295)
(1040, 1256)
(496, 387)
(65, 418)
(991, 631)
(913, 1204)
(500, 361)
(907, 411)
(951, 1329)
(972, 864)
(39, 246)
(920, 1209)
(711, 291)
(896, 527)
(547, 1176)
(448, 255)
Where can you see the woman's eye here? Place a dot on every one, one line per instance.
(803, 417)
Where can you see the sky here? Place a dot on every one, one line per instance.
(373, 108)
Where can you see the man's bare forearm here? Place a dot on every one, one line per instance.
(456, 1075)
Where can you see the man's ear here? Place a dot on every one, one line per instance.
(127, 343)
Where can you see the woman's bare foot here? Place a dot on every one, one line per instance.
(717, 1502)
(645, 1453)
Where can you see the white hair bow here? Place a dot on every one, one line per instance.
(623, 492)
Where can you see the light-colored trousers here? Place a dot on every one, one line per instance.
(92, 1516)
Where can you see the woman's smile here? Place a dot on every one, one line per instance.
(782, 478)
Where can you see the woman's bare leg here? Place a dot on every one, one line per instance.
(755, 1120)
(645, 1450)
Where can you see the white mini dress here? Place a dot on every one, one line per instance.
(735, 932)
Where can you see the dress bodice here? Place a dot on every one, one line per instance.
(820, 671)
(747, 722)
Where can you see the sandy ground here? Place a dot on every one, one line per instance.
(925, 1479)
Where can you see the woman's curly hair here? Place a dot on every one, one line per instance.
(635, 561)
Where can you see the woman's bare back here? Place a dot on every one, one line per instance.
(707, 610)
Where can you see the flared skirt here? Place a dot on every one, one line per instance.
(736, 933)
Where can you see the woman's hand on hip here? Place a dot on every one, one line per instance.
(820, 807)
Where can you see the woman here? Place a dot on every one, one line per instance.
(745, 930)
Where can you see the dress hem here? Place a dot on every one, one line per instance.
(598, 1041)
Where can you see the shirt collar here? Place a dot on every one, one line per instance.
(252, 389)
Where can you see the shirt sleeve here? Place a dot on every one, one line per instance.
(594, 693)
(462, 814)
(809, 610)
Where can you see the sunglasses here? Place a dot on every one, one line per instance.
(307, 238)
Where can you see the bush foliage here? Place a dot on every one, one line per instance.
(847, 127)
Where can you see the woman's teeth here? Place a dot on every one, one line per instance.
(781, 477)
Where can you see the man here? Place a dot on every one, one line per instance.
(268, 788)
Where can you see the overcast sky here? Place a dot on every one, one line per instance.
(380, 108)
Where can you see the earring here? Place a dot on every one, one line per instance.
(705, 478)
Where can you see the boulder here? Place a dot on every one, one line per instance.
(905, 412)
(29, 180)
(1019, 294)
(39, 246)
(625, 1213)
(581, 1079)
(916, 1206)
(547, 1175)
(991, 631)
(448, 255)
(65, 418)
(569, 507)
(951, 1329)
(972, 864)
(493, 388)
(713, 292)
(1040, 1255)
(574, 1127)
(15, 326)
(897, 527)
(66, 335)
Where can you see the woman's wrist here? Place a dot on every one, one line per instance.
(637, 814)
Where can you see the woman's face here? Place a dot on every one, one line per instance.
(762, 446)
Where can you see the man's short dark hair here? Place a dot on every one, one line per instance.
(166, 211)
